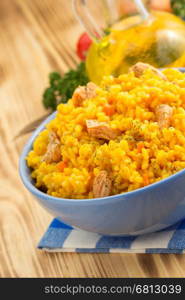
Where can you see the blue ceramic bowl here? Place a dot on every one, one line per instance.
(145, 210)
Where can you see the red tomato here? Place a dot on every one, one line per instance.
(83, 45)
(160, 5)
(127, 7)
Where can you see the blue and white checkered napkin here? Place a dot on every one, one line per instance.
(62, 238)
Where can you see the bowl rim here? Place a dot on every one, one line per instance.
(26, 179)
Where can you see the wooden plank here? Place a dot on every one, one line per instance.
(38, 36)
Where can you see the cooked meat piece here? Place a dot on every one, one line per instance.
(164, 114)
(84, 92)
(101, 130)
(140, 67)
(102, 185)
(53, 153)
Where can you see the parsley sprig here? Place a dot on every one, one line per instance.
(178, 8)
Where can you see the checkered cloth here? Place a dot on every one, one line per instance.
(62, 238)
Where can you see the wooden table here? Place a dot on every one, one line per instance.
(38, 36)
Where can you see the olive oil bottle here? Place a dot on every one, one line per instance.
(158, 40)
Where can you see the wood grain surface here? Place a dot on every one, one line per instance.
(39, 36)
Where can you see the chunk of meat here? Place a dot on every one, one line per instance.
(102, 185)
(53, 153)
(84, 92)
(164, 114)
(140, 67)
(101, 130)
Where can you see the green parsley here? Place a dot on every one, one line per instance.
(178, 8)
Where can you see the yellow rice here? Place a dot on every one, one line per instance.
(134, 100)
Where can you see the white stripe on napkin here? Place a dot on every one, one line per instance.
(81, 239)
(122, 250)
(59, 250)
(153, 240)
